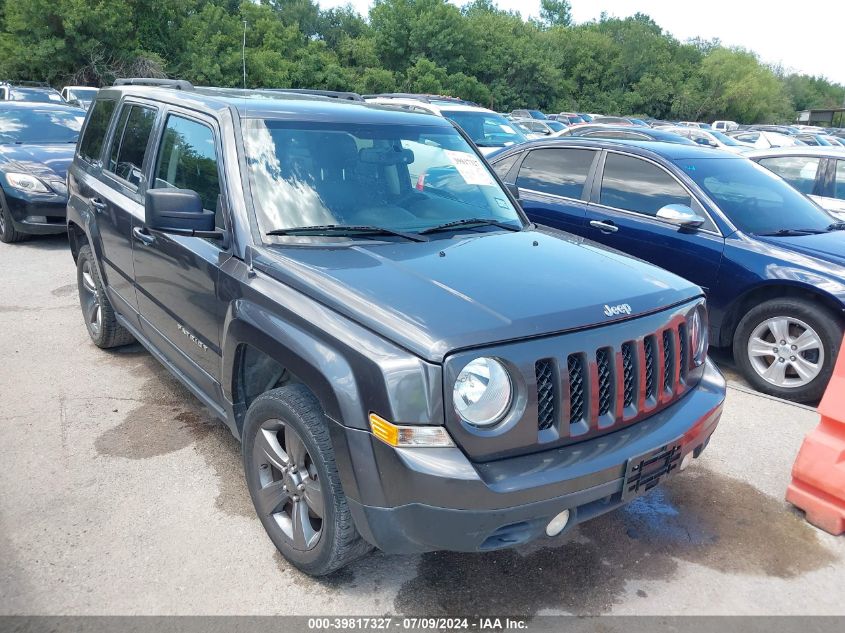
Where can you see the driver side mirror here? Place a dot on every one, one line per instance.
(178, 211)
(681, 215)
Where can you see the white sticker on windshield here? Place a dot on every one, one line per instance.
(507, 129)
(470, 168)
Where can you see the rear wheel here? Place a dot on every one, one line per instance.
(100, 320)
(293, 481)
(788, 348)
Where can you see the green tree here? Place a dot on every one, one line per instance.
(555, 12)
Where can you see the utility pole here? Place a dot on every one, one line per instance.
(243, 54)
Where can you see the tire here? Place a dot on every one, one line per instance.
(100, 319)
(275, 420)
(800, 369)
(8, 233)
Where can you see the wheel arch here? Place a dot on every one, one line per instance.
(264, 356)
(773, 290)
(77, 238)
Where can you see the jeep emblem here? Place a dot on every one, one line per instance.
(622, 308)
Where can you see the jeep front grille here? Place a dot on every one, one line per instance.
(628, 373)
(605, 381)
(545, 393)
(576, 388)
(613, 384)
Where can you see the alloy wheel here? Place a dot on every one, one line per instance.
(90, 300)
(290, 490)
(786, 352)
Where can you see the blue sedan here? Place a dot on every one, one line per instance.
(771, 261)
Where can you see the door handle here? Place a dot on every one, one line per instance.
(140, 234)
(604, 227)
(98, 204)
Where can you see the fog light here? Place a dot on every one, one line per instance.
(557, 524)
(687, 460)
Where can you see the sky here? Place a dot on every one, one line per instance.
(773, 29)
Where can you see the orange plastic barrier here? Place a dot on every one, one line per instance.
(818, 475)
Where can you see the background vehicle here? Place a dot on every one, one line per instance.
(761, 139)
(696, 124)
(540, 129)
(80, 95)
(29, 91)
(528, 114)
(789, 130)
(36, 146)
(611, 120)
(771, 261)
(709, 138)
(629, 132)
(818, 172)
(487, 129)
(383, 347)
(724, 126)
(819, 140)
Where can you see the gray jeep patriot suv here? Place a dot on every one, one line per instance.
(407, 361)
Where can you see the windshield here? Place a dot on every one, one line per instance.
(753, 198)
(557, 127)
(83, 94)
(40, 125)
(39, 95)
(401, 177)
(726, 140)
(486, 129)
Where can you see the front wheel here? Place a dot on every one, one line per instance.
(293, 481)
(8, 232)
(788, 348)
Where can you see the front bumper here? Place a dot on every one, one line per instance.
(417, 500)
(38, 214)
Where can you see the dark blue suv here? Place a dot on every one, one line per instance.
(772, 263)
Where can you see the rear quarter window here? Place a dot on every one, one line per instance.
(91, 144)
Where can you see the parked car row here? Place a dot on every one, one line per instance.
(408, 361)
(771, 260)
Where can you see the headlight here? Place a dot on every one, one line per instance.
(699, 335)
(482, 392)
(26, 182)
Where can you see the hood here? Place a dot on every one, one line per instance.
(829, 246)
(476, 289)
(46, 160)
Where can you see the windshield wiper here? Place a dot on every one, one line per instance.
(792, 232)
(469, 221)
(341, 229)
(837, 226)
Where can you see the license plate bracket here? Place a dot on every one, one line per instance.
(643, 472)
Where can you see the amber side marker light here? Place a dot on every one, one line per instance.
(409, 436)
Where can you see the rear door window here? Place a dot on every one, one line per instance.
(91, 145)
(559, 172)
(798, 171)
(129, 143)
(636, 185)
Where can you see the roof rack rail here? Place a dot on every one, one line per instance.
(176, 84)
(332, 94)
(425, 98)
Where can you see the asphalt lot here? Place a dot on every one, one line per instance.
(119, 494)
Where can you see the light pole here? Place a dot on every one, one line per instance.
(243, 54)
